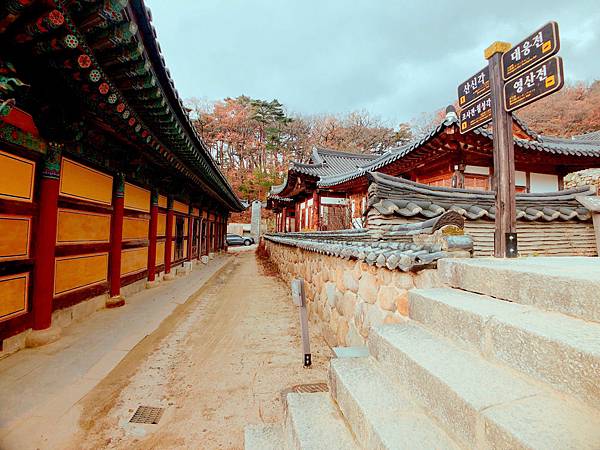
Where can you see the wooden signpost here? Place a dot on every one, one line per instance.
(299, 299)
(516, 76)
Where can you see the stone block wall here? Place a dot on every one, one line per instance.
(346, 298)
(587, 177)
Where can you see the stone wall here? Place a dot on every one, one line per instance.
(346, 298)
(587, 177)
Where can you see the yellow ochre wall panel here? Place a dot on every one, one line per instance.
(180, 207)
(73, 272)
(14, 237)
(162, 201)
(79, 181)
(133, 260)
(160, 253)
(161, 224)
(137, 198)
(172, 252)
(185, 226)
(13, 295)
(195, 212)
(135, 228)
(16, 182)
(80, 226)
(185, 248)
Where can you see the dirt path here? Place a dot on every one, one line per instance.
(216, 365)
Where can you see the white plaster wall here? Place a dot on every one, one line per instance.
(540, 182)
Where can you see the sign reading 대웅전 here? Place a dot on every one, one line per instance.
(537, 47)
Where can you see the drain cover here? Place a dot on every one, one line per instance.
(310, 388)
(147, 414)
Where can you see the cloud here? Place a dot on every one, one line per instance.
(395, 59)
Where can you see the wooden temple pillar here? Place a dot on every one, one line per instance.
(45, 248)
(152, 232)
(116, 243)
(169, 239)
(316, 213)
(283, 219)
(190, 233)
(458, 178)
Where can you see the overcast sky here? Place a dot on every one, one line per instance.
(396, 59)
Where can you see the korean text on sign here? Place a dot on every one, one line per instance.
(536, 48)
(539, 81)
(476, 115)
(474, 88)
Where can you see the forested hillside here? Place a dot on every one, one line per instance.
(253, 140)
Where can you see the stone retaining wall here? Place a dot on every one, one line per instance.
(346, 298)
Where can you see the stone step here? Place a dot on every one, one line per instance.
(555, 348)
(380, 416)
(263, 437)
(567, 285)
(482, 405)
(313, 422)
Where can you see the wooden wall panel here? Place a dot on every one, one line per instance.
(133, 260)
(15, 232)
(160, 253)
(162, 201)
(137, 198)
(13, 295)
(185, 226)
(180, 207)
(161, 224)
(79, 181)
(173, 252)
(135, 228)
(74, 272)
(195, 212)
(16, 181)
(82, 226)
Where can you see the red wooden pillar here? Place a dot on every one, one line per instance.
(169, 239)
(116, 243)
(45, 246)
(316, 219)
(284, 220)
(190, 232)
(152, 238)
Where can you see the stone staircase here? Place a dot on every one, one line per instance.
(506, 357)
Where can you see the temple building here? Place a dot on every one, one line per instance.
(442, 158)
(104, 181)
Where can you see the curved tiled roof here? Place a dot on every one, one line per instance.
(325, 162)
(396, 196)
(587, 145)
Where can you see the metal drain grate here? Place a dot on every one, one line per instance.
(310, 388)
(147, 414)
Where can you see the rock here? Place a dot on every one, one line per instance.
(368, 287)
(388, 297)
(350, 282)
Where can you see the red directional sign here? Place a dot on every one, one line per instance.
(540, 81)
(476, 115)
(474, 88)
(542, 44)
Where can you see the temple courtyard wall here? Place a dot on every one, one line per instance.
(345, 298)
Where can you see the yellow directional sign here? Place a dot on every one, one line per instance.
(476, 115)
(537, 47)
(540, 81)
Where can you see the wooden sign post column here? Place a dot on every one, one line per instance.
(504, 157)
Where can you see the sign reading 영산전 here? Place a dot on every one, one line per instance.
(537, 47)
(540, 81)
(476, 115)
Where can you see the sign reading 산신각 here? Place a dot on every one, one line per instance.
(540, 81)
(474, 88)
